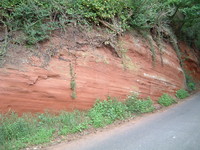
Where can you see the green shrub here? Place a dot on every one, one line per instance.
(36, 19)
(130, 102)
(181, 94)
(106, 112)
(136, 105)
(13, 128)
(104, 10)
(33, 18)
(20, 132)
(191, 86)
(190, 31)
(145, 13)
(166, 100)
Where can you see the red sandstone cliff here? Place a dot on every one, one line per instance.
(191, 62)
(98, 74)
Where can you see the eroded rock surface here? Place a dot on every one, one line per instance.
(98, 74)
(191, 61)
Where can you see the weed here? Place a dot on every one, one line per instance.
(72, 122)
(128, 63)
(191, 86)
(73, 82)
(190, 82)
(19, 132)
(74, 95)
(130, 102)
(149, 38)
(107, 111)
(181, 94)
(136, 105)
(14, 129)
(166, 100)
(42, 135)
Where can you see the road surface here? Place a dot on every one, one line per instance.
(177, 128)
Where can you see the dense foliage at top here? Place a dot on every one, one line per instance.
(36, 18)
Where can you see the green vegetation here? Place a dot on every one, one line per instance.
(181, 94)
(166, 100)
(20, 132)
(106, 112)
(186, 20)
(28, 130)
(73, 82)
(136, 105)
(191, 86)
(37, 19)
(28, 22)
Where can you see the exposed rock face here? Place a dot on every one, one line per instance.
(98, 74)
(191, 61)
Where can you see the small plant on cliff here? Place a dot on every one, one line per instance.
(190, 82)
(136, 105)
(166, 100)
(107, 111)
(73, 82)
(149, 39)
(181, 94)
(191, 86)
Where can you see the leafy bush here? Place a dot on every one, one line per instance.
(35, 18)
(191, 86)
(190, 82)
(101, 9)
(166, 100)
(136, 105)
(181, 94)
(145, 13)
(106, 112)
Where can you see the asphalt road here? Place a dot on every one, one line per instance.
(177, 128)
